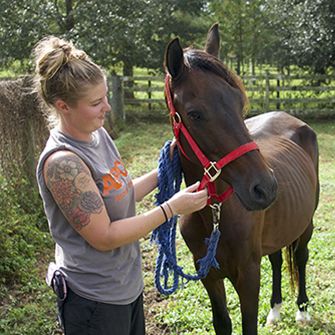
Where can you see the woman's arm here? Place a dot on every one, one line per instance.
(145, 184)
(78, 197)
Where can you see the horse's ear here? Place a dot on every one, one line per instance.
(174, 58)
(213, 41)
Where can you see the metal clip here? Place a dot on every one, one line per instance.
(216, 171)
(216, 213)
(176, 118)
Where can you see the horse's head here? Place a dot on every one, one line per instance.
(210, 101)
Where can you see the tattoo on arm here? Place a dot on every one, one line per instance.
(67, 179)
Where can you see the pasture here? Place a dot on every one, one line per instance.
(188, 310)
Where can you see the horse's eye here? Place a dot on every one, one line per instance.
(194, 115)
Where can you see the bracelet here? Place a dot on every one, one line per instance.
(172, 214)
(163, 210)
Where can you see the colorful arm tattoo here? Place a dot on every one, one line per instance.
(68, 180)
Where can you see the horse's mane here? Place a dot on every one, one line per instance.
(198, 59)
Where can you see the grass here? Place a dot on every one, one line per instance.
(30, 309)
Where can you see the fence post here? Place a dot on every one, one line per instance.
(149, 92)
(117, 98)
(278, 92)
(267, 92)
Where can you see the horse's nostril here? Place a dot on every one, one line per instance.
(259, 193)
(264, 194)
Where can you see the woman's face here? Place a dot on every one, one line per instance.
(88, 114)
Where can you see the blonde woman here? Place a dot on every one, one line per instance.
(89, 199)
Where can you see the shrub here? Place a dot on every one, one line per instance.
(23, 233)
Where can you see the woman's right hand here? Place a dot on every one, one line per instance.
(188, 200)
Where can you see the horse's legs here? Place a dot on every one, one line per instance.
(247, 287)
(276, 298)
(301, 258)
(217, 295)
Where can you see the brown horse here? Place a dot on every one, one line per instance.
(275, 187)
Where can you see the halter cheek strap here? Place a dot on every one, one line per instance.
(212, 170)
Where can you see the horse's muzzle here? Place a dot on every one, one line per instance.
(261, 194)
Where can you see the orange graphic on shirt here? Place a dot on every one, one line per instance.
(112, 180)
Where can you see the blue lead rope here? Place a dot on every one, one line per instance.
(169, 181)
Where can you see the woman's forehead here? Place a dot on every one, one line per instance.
(94, 92)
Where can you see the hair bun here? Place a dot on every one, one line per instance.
(52, 53)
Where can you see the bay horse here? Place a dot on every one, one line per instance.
(275, 187)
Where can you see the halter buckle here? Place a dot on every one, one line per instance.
(208, 171)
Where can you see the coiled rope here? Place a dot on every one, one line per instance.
(169, 181)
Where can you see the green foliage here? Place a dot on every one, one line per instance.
(22, 24)
(112, 32)
(242, 24)
(29, 312)
(302, 32)
(23, 235)
(119, 33)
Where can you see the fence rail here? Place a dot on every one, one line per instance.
(303, 95)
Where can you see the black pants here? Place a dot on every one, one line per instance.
(81, 316)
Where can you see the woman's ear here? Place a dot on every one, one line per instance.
(61, 106)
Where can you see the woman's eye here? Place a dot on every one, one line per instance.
(194, 115)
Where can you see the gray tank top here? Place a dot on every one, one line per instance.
(111, 277)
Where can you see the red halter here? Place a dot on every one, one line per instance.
(212, 170)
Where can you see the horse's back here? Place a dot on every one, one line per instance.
(289, 145)
(287, 126)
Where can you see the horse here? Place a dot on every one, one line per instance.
(268, 162)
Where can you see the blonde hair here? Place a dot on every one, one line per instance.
(63, 72)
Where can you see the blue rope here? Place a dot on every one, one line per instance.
(169, 181)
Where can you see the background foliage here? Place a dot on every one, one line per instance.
(122, 34)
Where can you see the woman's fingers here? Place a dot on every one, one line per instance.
(189, 200)
(192, 187)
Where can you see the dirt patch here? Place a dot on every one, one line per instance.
(153, 300)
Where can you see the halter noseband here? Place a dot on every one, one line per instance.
(212, 170)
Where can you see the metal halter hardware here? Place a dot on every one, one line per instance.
(212, 170)
(216, 213)
(216, 171)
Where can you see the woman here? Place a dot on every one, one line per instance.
(89, 199)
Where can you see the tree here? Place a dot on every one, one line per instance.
(304, 32)
(112, 32)
(133, 35)
(22, 23)
(242, 24)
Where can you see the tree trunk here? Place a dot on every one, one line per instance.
(129, 84)
(69, 20)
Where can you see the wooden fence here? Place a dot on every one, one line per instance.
(304, 96)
